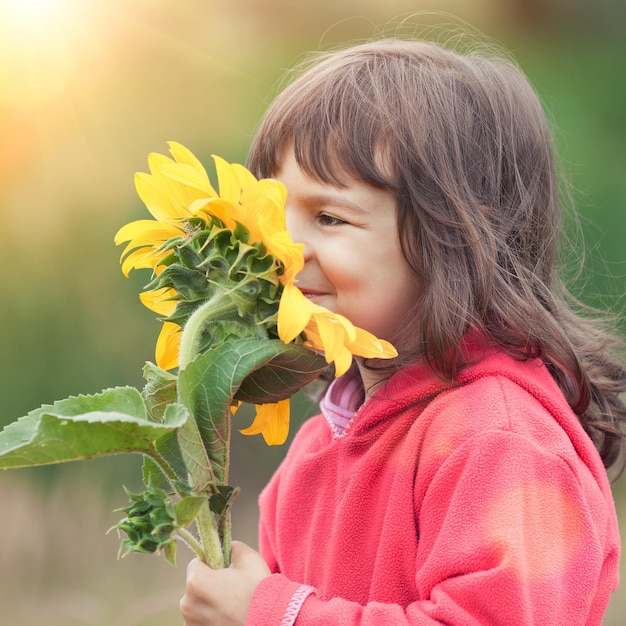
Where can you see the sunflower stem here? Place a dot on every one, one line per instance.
(210, 538)
(225, 531)
(165, 467)
(214, 535)
(191, 542)
(218, 306)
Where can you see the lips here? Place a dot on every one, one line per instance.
(311, 294)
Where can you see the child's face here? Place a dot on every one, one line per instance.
(353, 262)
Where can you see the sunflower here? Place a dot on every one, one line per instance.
(202, 242)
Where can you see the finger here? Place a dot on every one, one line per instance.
(197, 573)
(194, 565)
(242, 555)
(238, 551)
(248, 560)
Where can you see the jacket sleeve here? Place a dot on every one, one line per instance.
(508, 533)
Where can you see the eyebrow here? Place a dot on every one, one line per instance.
(320, 200)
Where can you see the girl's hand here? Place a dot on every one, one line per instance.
(222, 597)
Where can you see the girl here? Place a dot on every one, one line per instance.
(468, 484)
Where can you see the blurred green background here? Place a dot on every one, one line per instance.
(87, 89)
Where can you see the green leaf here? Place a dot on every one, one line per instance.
(209, 384)
(221, 501)
(291, 368)
(120, 399)
(186, 509)
(169, 552)
(153, 476)
(170, 453)
(83, 427)
(159, 391)
(194, 455)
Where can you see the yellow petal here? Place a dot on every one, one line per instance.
(260, 421)
(389, 351)
(198, 205)
(168, 346)
(158, 199)
(280, 244)
(224, 210)
(172, 197)
(160, 301)
(147, 232)
(190, 177)
(272, 191)
(348, 327)
(156, 161)
(313, 339)
(294, 313)
(272, 421)
(277, 429)
(266, 202)
(331, 334)
(142, 258)
(246, 181)
(230, 188)
(343, 361)
(369, 346)
(184, 155)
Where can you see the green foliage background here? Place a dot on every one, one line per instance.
(201, 72)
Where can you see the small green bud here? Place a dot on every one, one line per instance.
(149, 523)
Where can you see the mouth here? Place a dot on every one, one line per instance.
(311, 294)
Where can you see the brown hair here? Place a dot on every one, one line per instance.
(463, 143)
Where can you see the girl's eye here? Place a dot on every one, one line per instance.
(324, 219)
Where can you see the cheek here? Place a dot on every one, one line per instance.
(392, 305)
(380, 304)
(343, 267)
(374, 286)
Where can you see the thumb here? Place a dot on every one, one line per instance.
(242, 552)
(243, 557)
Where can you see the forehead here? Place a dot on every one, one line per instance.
(354, 198)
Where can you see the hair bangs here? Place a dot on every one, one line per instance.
(333, 128)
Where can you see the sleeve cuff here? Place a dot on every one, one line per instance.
(277, 601)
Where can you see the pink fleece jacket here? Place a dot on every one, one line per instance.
(483, 503)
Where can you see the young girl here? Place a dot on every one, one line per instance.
(468, 483)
